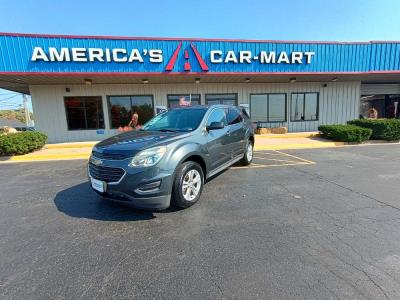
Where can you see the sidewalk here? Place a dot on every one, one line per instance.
(297, 140)
(55, 152)
(82, 150)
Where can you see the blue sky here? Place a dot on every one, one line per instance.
(339, 20)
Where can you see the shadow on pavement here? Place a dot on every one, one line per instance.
(80, 201)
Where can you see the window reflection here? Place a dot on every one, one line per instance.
(277, 108)
(130, 112)
(173, 100)
(227, 99)
(84, 113)
(304, 107)
(268, 107)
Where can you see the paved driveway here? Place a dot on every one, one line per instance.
(321, 230)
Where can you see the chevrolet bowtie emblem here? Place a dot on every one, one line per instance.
(96, 162)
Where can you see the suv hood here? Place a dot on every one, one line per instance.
(132, 142)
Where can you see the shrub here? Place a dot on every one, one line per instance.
(21, 142)
(345, 133)
(382, 129)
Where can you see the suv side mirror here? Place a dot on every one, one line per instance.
(215, 126)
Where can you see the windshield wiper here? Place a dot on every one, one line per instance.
(167, 130)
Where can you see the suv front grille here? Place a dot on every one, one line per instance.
(108, 156)
(107, 174)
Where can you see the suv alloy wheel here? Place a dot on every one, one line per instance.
(188, 184)
(248, 153)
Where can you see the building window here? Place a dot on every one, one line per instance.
(304, 107)
(173, 100)
(268, 107)
(123, 107)
(84, 113)
(228, 99)
(385, 105)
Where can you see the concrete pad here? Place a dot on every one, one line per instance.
(289, 135)
(293, 143)
(50, 154)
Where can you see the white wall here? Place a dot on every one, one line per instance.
(339, 102)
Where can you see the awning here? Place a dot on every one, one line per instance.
(20, 82)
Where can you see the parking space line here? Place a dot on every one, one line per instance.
(253, 166)
(265, 160)
(257, 165)
(275, 159)
(267, 153)
(296, 157)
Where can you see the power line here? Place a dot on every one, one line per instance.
(7, 93)
(10, 103)
(9, 97)
(17, 106)
(9, 108)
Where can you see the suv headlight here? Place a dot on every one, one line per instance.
(148, 157)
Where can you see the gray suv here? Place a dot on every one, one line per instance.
(171, 157)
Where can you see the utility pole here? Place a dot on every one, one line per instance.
(28, 121)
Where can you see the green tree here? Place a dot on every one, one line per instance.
(14, 114)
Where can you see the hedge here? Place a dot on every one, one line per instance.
(345, 133)
(382, 129)
(21, 142)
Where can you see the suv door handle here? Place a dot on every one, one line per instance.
(228, 132)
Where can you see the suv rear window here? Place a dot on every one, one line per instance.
(217, 115)
(233, 116)
(243, 112)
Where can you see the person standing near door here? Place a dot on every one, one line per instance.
(183, 101)
(134, 123)
(372, 113)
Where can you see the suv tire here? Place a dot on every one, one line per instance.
(188, 184)
(248, 153)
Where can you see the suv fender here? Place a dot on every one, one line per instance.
(183, 152)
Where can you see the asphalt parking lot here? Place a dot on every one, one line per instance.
(324, 226)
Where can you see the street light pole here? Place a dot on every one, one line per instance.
(26, 111)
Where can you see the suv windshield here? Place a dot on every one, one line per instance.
(180, 119)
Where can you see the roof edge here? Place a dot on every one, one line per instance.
(193, 73)
(184, 39)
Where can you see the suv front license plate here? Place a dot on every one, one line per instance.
(98, 185)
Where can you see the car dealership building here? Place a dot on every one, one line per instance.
(87, 87)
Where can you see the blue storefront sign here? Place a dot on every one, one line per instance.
(20, 53)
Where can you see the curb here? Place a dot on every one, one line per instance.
(85, 156)
(70, 145)
(46, 157)
(380, 142)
